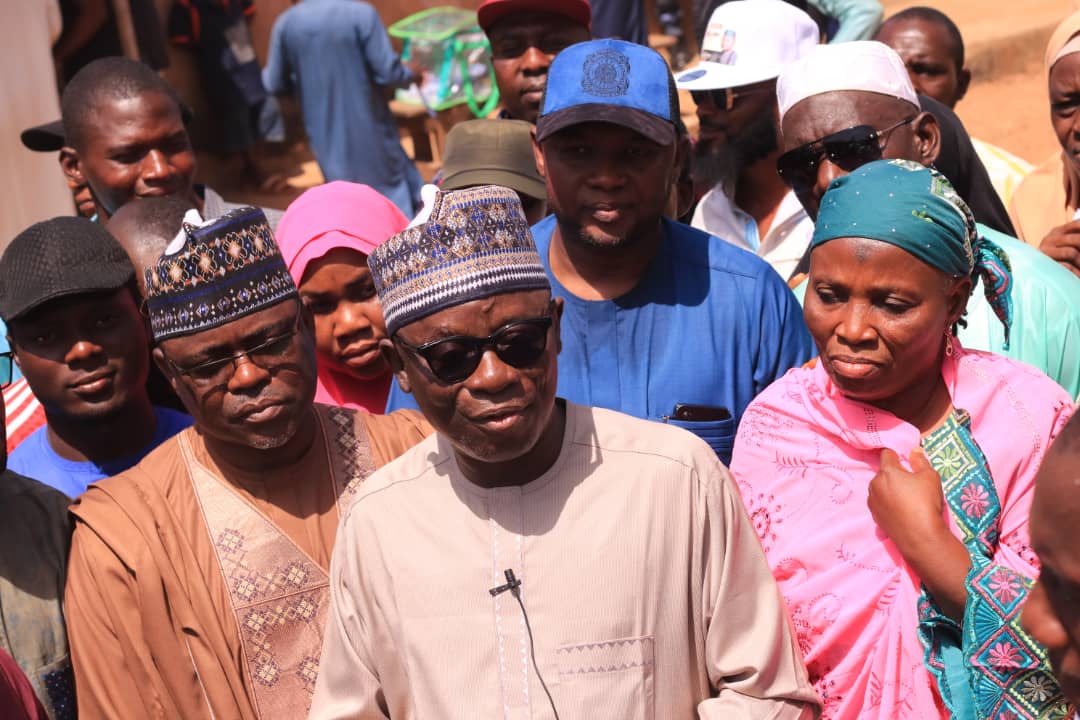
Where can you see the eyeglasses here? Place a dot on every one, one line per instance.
(453, 359)
(848, 149)
(724, 98)
(6, 368)
(267, 355)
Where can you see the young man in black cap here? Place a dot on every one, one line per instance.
(66, 295)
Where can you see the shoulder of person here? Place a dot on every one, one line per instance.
(417, 468)
(1035, 270)
(136, 494)
(1026, 386)
(696, 247)
(616, 433)
(23, 495)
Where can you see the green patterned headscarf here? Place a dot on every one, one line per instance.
(916, 209)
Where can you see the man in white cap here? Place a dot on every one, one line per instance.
(747, 44)
(842, 106)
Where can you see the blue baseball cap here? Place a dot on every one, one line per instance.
(610, 81)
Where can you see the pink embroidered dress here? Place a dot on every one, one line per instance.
(804, 457)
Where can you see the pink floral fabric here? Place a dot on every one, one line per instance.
(804, 457)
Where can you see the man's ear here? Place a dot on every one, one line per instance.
(72, 167)
(927, 136)
(167, 370)
(963, 80)
(538, 155)
(397, 366)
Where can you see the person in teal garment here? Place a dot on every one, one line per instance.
(1046, 319)
(661, 321)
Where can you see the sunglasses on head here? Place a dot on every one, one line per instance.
(725, 98)
(519, 344)
(848, 149)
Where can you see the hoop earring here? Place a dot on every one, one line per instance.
(949, 351)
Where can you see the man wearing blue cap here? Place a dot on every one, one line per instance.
(662, 321)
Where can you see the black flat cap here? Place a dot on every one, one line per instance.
(48, 137)
(59, 257)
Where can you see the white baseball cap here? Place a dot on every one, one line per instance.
(748, 41)
(863, 65)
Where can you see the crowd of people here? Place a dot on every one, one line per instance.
(614, 419)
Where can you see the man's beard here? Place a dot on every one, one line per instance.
(714, 164)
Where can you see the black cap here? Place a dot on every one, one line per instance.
(59, 257)
(44, 138)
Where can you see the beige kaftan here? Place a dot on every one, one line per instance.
(153, 630)
(644, 582)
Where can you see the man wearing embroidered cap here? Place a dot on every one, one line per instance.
(537, 558)
(525, 37)
(735, 156)
(845, 105)
(662, 321)
(197, 585)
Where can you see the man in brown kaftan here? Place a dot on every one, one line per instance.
(198, 584)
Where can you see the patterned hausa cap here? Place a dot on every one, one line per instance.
(214, 273)
(475, 244)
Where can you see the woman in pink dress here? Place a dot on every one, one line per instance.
(326, 236)
(890, 484)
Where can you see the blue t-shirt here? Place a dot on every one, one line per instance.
(36, 459)
(709, 324)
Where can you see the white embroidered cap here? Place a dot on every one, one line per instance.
(748, 41)
(864, 65)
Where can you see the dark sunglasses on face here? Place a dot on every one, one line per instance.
(453, 359)
(725, 98)
(848, 149)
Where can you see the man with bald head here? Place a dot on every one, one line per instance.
(932, 48)
(842, 106)
(144, 229)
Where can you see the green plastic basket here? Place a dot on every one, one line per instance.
(449, 44)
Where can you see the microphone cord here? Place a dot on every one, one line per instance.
(514, 586)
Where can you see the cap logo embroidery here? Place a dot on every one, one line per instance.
(606, 73)
(691, 75)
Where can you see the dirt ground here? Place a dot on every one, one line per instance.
(1006, 105)
(1012, 112)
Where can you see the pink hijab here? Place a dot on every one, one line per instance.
(339, 214)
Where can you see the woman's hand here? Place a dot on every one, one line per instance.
(909, 507)
(1063, 244)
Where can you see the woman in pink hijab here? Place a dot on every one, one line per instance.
(326, 236)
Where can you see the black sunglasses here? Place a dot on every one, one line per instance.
(724, 98)
(848, 149)
(453, 359)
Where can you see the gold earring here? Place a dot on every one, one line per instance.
(948, 344)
